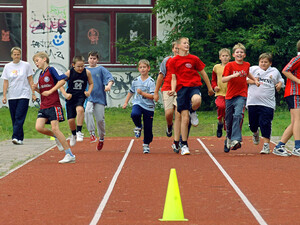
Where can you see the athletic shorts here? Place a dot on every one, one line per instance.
(71, 106)
(53, 113)
(169, 101)
(184, 96)
(293, 101)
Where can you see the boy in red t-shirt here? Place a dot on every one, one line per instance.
(292, 97)
(236, 73)
(186, 80)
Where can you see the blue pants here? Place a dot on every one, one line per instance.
(261, 116)
(234, 115)
(136, 115)
(18, 109)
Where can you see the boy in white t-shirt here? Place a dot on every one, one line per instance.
(261, 100)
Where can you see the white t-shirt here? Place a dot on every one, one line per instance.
(18, 85)
(264, 94)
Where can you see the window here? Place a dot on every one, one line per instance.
(12, 19)
(99, 24)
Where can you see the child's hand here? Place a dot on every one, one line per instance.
(211, 92)
(68, 96)
(35, 87)
(156, 96)
(125, 105)
(236, 74)
(139, 91)
(4, 100)
(171, 93)
(107, 88)
(257, 83)
(216, 89)
(278, 86)
(87, 94)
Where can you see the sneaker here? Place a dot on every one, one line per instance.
(226, 146)
(137, 132)
(79, 136)
(176, 150)
(58, 144)
(68, 159)
(73, 140)
(100, 145)
(146, 149)
(235, 145)
(296, 152)
(185, 150)
(194, 119)
(93, 138)
(169, 131)
(255, 138)
(220, 129)
(265, 150)
(17, 142)
(281, 151)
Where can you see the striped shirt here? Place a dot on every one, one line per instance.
(292, 88)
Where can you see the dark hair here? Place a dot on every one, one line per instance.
(93, 53)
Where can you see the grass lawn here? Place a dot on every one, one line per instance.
(119, 124)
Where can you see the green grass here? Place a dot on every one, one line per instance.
(119, 124)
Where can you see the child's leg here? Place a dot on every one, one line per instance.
(80, 115)
(100, 119)
(239, 106)
(265, 122)
(196, 101)
(72, 125)
(177, 125)
(59, 135)
(295, 118)
(169, 116)
(229, 117)
(88, 116)
(148, 123)
(136, 115)
(287, 134)
(40, 127)
(255, 116)
(185, 119)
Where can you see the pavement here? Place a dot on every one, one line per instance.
(14, 156)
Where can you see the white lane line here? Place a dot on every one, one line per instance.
(255, 213)
(110, 188)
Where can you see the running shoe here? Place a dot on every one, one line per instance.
(93, 138)
(169, 131)
(68, 159)
(226, 145)
(296, 152)
(265, 150)
(185, 150)
(220, 129)
(73, 140)
(235, 145)
(281, 151)
(176, 150)
(255, 138)
(58, 144)
(79, 136)
(137, 132)
(194, 119)
(17, 142)
(100, 145)
(146, 149)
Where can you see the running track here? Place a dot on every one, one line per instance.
(120, 185)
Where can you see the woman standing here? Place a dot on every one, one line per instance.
(17, 76)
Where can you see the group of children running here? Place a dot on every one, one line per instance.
(235, 84)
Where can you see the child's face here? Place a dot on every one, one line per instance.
(184, 45)
(78, 66)
(144, 69)
(39, 62)
(92, 60)
(239, 55)
(175, 50)
(264, 63)
(224, 57)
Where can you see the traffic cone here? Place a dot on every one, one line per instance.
(173, 208)
(52, 138)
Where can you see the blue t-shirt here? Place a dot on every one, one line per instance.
(101, 77)
(147, 86)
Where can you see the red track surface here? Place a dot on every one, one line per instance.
(45, 192)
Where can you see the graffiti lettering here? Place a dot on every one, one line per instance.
(39, 27)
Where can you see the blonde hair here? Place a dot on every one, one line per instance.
(42, 55)
(226, 50)
(173, 44)
(240, 46)
(15, 49)
(144, 61)
(298, 46)
(77, 59)
(267, 56)
(179, 40)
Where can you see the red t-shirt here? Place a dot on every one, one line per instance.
(167, 78)
(292, 88)
(236, 86)
(186, 70)
(46, 82)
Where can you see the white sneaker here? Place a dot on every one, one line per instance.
(17, 142)
(265, 150)
(255, 138)
(146, 149)
(79, 136)
(58, 144)
(185, 150)
(68, 159)
(194, 119)
(73, 140)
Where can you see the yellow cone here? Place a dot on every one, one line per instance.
(52, 138)
(173, 208)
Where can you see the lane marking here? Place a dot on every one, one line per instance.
(255, 213)
(110, 188)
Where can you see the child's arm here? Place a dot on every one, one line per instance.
(144, 94)
(256, 82)
(59, 84)
(214, 84)
(129, 95)
(108, 86)
(207, 82)
(173, 85)
(290, 76)
(159, 81)
(278, 86)
(91, 83)
(225, 79)
(67, 96)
